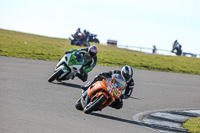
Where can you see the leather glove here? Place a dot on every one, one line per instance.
(105, 74)
(102, 76)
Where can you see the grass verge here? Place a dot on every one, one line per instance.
(17, 44)
(193, 125)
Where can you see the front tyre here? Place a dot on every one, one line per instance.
(94, 105)
(78, 104)
(72, 42)
(55, 75)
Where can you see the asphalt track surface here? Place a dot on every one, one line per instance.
(29, 104)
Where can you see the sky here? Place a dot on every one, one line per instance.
(140, 23)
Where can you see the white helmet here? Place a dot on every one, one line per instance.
(127, 72)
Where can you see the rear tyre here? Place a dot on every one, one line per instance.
(55, 75)
(78, 104)
(94, 105)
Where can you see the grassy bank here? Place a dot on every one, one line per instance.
(17, 44)
(192, 125)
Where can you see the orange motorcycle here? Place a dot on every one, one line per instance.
(101, 94)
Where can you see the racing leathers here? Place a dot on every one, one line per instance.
(118, 103)
(76, 34)
(89, 63)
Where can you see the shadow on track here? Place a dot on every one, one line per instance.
(69, 85)
(154, 126)
(135, 98)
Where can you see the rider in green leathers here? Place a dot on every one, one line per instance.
(90, 59)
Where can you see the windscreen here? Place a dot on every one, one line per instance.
(119, 80)
(79, 57)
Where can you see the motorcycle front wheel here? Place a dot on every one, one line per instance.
(72, 42)
(55, 75)
(78, 104)
(94, 105)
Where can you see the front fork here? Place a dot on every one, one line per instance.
(64, 69)
(87, 99)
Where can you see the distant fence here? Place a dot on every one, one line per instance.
(147, 50)
(150, 50)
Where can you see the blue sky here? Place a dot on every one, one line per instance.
(141, 23)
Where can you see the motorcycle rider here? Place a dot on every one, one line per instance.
(90, 59)
(76, 34)
(127, 73)
(86, 35)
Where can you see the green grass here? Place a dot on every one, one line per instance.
(12, 43)
(192, 125)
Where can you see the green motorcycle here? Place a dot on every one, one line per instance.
(67, 67)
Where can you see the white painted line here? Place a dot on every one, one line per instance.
(166, 121)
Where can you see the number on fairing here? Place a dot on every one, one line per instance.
(109, 88)
(115, 93)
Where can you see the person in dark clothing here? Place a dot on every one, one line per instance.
(127, 73)
(176, 46)
(154, 49)
(90, 59)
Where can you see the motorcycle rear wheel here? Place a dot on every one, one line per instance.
(55, 75)
(94, 105)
